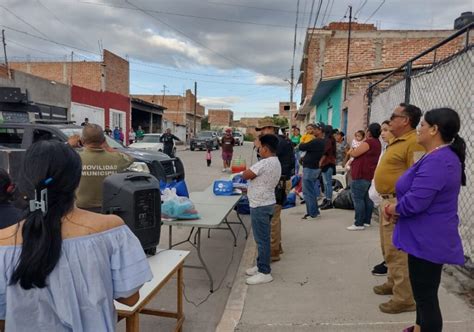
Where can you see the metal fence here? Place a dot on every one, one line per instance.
(447, 82)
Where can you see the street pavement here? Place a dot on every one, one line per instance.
(218, 251)
(323, 283)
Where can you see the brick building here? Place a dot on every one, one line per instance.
(178, 109)
(111, 74)
(284, 108)
(99, 89)
(373, 53)
(220, 118)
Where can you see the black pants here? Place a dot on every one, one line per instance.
(425, 278)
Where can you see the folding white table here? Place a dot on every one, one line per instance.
(164, 264)
(213, 211)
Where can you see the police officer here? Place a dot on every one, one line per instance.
(286, 156)
(98, 162)
(167, 140)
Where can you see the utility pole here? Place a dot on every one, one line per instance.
(292, 74)
(195, 105)
(72, 63)
(5, 53)
(164, 93)
(348, 53)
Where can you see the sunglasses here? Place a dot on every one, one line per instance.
(394, 116)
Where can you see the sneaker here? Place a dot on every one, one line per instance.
(367, 225)
(308, 217)
(252, 271)
(259, 278)
(380, 269)
(224, 170)
(355, 228)
(392, 307)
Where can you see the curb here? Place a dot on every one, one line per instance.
(235, 303)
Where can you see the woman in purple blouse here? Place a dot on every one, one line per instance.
(426, 212)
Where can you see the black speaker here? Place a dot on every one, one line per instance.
(135, 197)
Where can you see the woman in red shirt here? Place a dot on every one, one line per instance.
(363, 166)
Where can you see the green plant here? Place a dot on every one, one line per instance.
(249, 138)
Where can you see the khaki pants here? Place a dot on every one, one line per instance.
(396, 260)
(276, 248)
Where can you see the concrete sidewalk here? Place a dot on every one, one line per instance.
(323, 283)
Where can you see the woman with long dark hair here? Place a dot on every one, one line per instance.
(328, 166)
(366, 157)
(426, 213)
(62, 267)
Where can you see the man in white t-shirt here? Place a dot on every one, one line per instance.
(263, 178)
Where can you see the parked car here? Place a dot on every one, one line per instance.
(19, 136)
(150, 142)
(238, 137)
(204, 138)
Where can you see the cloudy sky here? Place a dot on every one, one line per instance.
(238, 51)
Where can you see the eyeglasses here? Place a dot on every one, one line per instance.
(394, 116)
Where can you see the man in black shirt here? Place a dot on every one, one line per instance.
(314, 152)
(286, 156)
(167, 140)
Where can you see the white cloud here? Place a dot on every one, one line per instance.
(219, 102)
(269, 80)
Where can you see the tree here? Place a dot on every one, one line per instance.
(279, 121)
(205, 125)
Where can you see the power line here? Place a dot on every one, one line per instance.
(253, 7)
(25, 22)
(59, 20)
(360, 8)
(325, 12)
(326, 18)
(29, 48)
(186, 35)
(47, 39)
(311, 14)
(320, 4)
(375, 11)
(190, 16)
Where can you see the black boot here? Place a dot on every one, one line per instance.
(324, 203)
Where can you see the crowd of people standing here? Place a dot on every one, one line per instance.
(413, 176)
(58, 241)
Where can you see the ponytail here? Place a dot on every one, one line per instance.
(458, 146)
(53, 169)
(41, 248)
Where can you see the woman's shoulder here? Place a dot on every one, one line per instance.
(84, 223)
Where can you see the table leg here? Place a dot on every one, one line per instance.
(132, 323)
(170, 239)
(202, 260)
(232, 231)
(180, 298)
(243, 225)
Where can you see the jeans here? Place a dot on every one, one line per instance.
(311, 190)
(425, 277)
(327, 180)
(261, 226)
(297, 161)
(363, 205)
